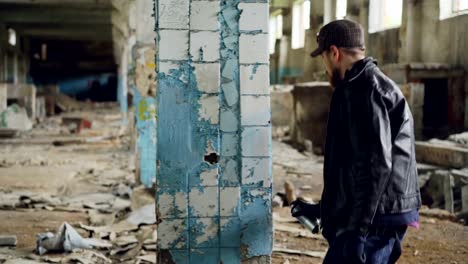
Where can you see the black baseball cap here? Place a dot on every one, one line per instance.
(342, 33)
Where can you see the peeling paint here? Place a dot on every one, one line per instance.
(200, 136)
(146, 142)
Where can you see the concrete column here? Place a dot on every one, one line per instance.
(329, 12)
(214, 133)
(464, 193)
(3, 97)
(364, 19)
(413, 30)
(312, 65)
(122, 88)
(144, 91)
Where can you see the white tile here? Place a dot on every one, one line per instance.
(208, 77)
(204, 46)
(204, 15)
(168, 67)
(173, 14)
(256, 171)
(173, 44)
(255, 110)
(209, 108)
(255, 79)
(172, 205)
(204, 201)
(209, 177)
(229, 201)
(253, 48)
(256, 142)
(255, 16)
(172, 233)
(209, 232)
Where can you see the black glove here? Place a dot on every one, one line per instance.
(302, 208)
(353, 249)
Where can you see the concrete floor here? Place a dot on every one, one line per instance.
(31, 166)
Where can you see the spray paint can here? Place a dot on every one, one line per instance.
(312, 224)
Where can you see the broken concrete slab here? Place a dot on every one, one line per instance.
(86, 257)
(446, 154)
(8, 240)
(97, 218)
(144, 215)
(314, 254)
(21, 261)
(150, 258)
(123, 241)
(121, 227)
(141, 196)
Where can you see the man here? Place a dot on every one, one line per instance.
(371, 191)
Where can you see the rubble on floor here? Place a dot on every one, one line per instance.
(50, 171)
(299, 173)
(15, 118)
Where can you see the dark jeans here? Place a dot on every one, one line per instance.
(383, 246)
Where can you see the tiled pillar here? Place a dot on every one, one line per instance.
(214, 134)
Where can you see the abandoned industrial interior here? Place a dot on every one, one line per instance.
(180, 131)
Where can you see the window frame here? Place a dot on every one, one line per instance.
(300, 24)
(449, 10)
(278, 30)
(376, 19)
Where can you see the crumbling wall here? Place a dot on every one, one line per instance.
(214, 133)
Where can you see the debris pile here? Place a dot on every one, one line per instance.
(15, 118)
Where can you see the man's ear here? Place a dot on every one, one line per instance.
(335, 53)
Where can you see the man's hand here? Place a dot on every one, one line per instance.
(302, 208)
(354, 245)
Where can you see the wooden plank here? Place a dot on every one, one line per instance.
(442, 155)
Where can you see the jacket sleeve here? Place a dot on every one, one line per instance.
(371, 154)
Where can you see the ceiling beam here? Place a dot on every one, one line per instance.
(41, 14)
(65, 32)
(103, 3)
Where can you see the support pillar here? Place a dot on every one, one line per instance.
(122, 88)
(313, 65)
(214, 133)
(413, 30)
(144, 92)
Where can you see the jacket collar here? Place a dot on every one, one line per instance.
(358, 68)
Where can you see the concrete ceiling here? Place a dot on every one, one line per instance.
(86, 21)
(71, 22)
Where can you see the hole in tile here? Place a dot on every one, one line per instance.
(212, 158)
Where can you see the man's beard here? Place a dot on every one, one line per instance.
(335, 78)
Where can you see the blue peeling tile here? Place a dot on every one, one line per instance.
(204, 232)
(173, 256)
(230, 231)
(205, 255)
(230, 256)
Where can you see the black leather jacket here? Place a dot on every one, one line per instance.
(370, 164)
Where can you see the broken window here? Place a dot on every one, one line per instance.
(385, 14)
(300, 23)
(341, 6)
(451, 8)
(276, 30)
